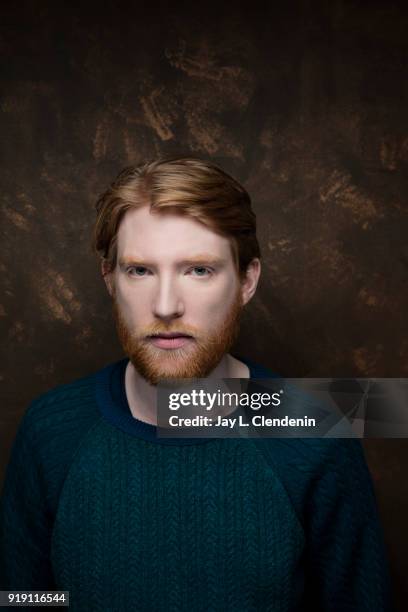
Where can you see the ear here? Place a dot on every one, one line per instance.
(250, 281)
(107, 276)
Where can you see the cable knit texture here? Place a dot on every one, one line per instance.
(94, 504)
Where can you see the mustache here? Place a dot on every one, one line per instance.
(155, 328)
(158, 328)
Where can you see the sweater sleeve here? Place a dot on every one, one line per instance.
(346, 561)
(25, 522)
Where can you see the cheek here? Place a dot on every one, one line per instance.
(213, 303)
(133, 305)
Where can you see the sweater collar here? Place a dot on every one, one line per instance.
(113, 404)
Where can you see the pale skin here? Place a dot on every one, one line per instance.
(175, 270)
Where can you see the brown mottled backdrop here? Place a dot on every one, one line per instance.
(305, 102)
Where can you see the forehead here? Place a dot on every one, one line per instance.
(167, 235)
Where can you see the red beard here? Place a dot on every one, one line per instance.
(196, 360)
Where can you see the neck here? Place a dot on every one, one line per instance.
(142, 396)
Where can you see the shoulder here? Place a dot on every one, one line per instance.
(52, 429)
(55, 408)
(312, 468)
(57, 419)
(314, 457)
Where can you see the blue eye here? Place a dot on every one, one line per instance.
(201, 271)
(136, 271)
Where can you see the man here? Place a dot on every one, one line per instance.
(96, 503)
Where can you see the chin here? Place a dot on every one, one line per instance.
(170, 370)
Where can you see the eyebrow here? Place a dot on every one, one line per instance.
(199, 258)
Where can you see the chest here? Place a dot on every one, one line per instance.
(174, 527)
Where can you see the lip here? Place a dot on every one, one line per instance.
(170, 340)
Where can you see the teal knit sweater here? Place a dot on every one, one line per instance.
(95, 504)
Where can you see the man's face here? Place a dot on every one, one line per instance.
(177, 295)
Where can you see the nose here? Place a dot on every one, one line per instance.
(167, 303)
